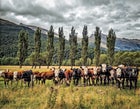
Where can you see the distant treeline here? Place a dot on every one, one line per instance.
(68, 53)
(121, 57)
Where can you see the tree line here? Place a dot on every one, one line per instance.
(75, 55)
(22, 48)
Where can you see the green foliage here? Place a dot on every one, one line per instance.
(84, 53)
(73, 46)
(22, 46)
(111, 38)
(103, 58)
(50, 46)
(9, 61)
(97, 42)
(137, 61)
(37, 40)
(61, 46)
(127, 58)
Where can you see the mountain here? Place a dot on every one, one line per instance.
(9, 39)
(121, 43)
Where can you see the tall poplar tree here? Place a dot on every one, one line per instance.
(84, 53)
(73, 46)
(97, 43)
(22, 46)
(50, 46)
(61, 47)
(37, 39)
(111, 38)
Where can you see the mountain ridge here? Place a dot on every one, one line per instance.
(9, 39)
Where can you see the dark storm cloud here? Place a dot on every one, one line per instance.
(121, 15)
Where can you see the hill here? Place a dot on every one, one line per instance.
(122, 44)
(9, 39)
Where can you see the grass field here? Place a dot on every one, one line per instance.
(49, 96)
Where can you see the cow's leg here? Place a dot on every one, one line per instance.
(100, 80)
(127, 80)
(74, 81)
(108, 80)
(118, 83)
(123, 83)
(97, 80)
(112, 79)
(104, 78)
(5, 83)
(130, 87)
(135, 83)
(28, 83)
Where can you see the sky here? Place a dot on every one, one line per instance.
(123, 16)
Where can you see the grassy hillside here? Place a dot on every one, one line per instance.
(9, 39)
(49, 96)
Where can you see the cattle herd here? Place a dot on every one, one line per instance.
(122, 76)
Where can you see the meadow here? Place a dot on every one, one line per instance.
(50, 96)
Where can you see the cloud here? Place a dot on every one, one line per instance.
(121, 15)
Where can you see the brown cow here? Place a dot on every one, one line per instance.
(37, 76)
(49, 74)
(8, 76)
(68, 76)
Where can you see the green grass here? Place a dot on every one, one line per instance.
(50, 96)
(62, 97)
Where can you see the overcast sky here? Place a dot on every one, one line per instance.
(121, 15)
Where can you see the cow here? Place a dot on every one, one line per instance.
(76, 76)
(132, 76)
(68, 76)
(112, 76)
(26, 77)
(85, 74)
(37, 77)
(8, 76)
(120, 76)
(49, 74)
(104, 73)
(17, 75)
(61, 76)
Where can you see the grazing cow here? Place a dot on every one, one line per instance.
(26, 76)
(61, 76)
(85, 74)
(76, 76)
(68, 75)
(91, 76)
(103, 73)
(49, 74)
(120, 76)
(37, 76)
(96, 75)
(112, 76)
(17, 75)
(8, 76)
(132, 76)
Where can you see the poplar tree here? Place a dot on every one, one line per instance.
(97, 43)
(50, 46)
(37, 40)
(61, 47)
(22, 46)
(84, 53)
(73, 46)
(111, 38)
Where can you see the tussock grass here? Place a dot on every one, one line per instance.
(49, 96)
